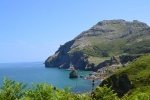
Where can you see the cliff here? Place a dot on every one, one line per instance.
(90, 49)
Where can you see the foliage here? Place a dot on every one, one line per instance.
(141, 96)
(104, 93)
(137, 95)
(12, 90)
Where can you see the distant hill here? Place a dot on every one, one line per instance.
(90, 49)
(133, 80)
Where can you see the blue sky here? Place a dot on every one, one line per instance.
(32, 30)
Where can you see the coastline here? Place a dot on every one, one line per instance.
(93, 76)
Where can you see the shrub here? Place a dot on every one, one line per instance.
(11, 90)
(104, 93)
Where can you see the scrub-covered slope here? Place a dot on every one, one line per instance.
(134, 79)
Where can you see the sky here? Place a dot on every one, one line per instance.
(32, 30)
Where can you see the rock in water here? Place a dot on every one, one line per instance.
(73, 74)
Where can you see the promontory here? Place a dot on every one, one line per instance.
(104, 44)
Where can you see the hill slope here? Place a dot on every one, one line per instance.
(105, 39)
(132, 80)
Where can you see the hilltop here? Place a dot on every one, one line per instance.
(95, 48)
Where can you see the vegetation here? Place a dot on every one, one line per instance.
(97, 60)
(104, 93)
(12, 90)
(133, 81)
(117, 47)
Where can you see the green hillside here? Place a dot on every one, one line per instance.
(133, 80)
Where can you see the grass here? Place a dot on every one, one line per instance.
(97, 60)
(139, 72)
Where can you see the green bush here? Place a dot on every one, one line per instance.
(137, 96)
(104, 93)
(12, 90)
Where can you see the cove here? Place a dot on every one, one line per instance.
(35, 72)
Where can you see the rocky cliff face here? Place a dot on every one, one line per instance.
(63, 59)
(105, 39)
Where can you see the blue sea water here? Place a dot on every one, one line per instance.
(32, 72)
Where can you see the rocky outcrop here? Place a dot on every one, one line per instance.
(73, 74)
(117, 60)
(63, 59)
(120, 84)
(128, 58)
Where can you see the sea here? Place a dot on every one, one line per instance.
(35, 72)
